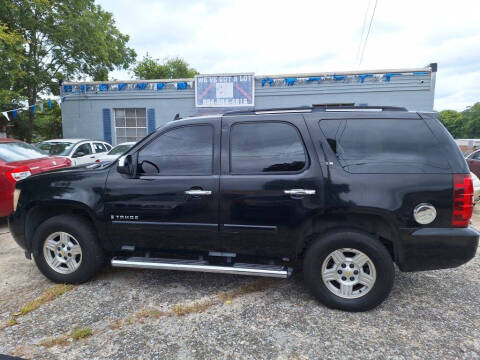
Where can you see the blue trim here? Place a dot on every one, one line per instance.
(107, 125)
(265, 80)
(388, 76)
(363, 76)
(182, 85)
(160, 86)
(141, 86)
(314, 78)
(67, 88)
(339, 77)
(420, 73)
(121, 87)
(290, 81)
(104, 87)
(151, 120)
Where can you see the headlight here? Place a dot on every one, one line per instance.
(16, 196)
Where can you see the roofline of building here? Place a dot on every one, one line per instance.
(429, 68)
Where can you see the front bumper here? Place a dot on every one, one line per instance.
(435, 248)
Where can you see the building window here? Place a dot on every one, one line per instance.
(130, 125)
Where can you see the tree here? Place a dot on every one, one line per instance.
(62, 40)
(471, 120)
(169, 68)
(453, 121)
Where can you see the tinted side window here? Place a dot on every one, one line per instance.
(385, 146)
(84, 148)
(265, 147)
(186, 150)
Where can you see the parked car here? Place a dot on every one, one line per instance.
(113, 154)
(346, 192)
(79, 151)
(19, 160)
(473, 161)
(476, 187)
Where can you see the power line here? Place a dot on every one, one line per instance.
(368, 32)
(364, 26)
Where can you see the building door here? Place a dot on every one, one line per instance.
(173, 202)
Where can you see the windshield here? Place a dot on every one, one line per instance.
(18, 151)
(120, 149)
(56, 148)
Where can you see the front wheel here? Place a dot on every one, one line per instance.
(66, 249)
(348, 270)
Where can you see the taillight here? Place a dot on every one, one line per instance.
(98, 160)
(18, 173)
(68, 162)
(462, 200)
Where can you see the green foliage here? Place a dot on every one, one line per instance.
(52, 40)
(170, 68)
(465, 124)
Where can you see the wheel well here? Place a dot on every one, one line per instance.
(374, 225)
(39, 214)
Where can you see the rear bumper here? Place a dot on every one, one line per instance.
(436, 248)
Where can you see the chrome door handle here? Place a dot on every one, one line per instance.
(299, 192)
(196, 192)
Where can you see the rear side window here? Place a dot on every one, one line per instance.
(99, 147)
(385, 146)
(266, 147)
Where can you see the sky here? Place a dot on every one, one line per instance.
(281, 37)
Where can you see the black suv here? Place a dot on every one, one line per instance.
(344, 191)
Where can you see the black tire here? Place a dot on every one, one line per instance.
(325, 245)
(83, 232)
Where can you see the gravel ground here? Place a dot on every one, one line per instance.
(140, 314)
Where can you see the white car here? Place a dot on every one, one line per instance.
(80, 151)
(113, 154)
(476, 187)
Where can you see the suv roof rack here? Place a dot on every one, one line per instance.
(314, 108)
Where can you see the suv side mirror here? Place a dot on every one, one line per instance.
(124, 165)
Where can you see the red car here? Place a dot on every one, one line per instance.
(19, 160)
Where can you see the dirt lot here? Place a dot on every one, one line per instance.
(139, 314)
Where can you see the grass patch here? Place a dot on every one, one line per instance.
(57, 341)
(193, 308)
(197, 308)
(246, 289)
(64, 340)
(81, 333)
(47, 296)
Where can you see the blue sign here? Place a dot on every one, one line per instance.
(226, 90)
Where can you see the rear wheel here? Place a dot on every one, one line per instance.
(348, 270)
(66, 249)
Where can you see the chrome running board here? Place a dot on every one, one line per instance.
(275, 271)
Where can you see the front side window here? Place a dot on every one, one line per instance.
(130, 125)
(82, 150)
(266, 147)
(186, 150)
(385, 146)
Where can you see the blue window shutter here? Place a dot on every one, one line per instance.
(107, 125)
(151, 120)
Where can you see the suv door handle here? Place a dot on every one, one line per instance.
(197, 192)
(299, 192)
